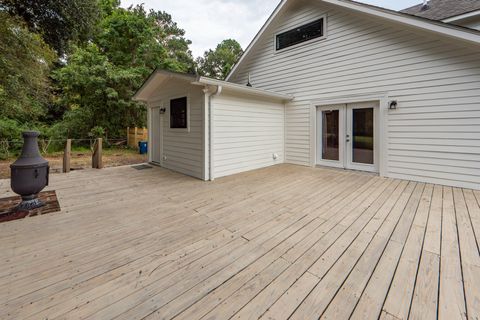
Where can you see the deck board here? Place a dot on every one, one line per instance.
(401, 290)
(424, 303)
(452, 295)
(275, 243)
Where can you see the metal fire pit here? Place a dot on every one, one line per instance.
(29, 174)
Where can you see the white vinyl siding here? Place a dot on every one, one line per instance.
(246, 133)
(182, 148)
(433, 136)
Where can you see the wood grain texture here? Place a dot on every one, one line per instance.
(279, 242)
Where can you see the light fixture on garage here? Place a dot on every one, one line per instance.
(393, 105)
(248, 82)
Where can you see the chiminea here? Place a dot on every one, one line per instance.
(29, 174)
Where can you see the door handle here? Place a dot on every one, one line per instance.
(348, 138)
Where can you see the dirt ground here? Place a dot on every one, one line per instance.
(82, 160)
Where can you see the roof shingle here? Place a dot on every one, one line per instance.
(443, 9)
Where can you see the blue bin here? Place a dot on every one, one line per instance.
(143, 147)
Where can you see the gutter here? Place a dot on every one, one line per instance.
(462, 16)
(208, 98)
(239, 88)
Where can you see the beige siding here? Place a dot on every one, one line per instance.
(247, 132)
(433, 136)
(182, 150)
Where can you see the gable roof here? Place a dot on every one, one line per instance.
(443, 9)
(441, 28)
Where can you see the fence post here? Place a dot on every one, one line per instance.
(97, 162)
(128, 136)
(67, 154)
(135, 141)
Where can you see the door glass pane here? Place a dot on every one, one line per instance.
(330, 135)
(362, 131)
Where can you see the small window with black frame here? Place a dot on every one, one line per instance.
(178, 113)
(300, 34)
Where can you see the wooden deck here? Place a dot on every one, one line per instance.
(277, 243)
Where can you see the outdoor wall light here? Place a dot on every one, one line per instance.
(393, 105)
(163, 110)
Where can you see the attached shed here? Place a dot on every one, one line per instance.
(208, 128)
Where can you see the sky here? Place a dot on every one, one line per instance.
(208, 22)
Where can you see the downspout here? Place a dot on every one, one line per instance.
(209, 94)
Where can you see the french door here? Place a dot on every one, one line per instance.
(347, 136)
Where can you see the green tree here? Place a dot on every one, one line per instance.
(98, 81)
(172, 38)
(58, 21)
(25, 61)
(218, 63)
(106, 53)
(98, 94)
(137, 38)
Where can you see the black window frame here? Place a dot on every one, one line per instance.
(304, 33)
(177, 119)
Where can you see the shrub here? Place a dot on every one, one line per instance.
(10, 137)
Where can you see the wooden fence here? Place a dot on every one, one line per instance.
(134, 135)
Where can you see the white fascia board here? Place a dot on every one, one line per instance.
(257, 36)
(472, 36)
(138, 95)
(462, 16)
(243, 89)
(157, 77)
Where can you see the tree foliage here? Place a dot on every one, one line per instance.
(218, 63)
(135, 37)
(58, 21)
(98, 93)
(70, 67)
(99, 80)
(25, 61)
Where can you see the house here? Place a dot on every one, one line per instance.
(465, 13)
(331, 83)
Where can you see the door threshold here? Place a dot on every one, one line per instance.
(320, 166)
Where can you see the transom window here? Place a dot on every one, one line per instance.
(178, 113)
(300, 34)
